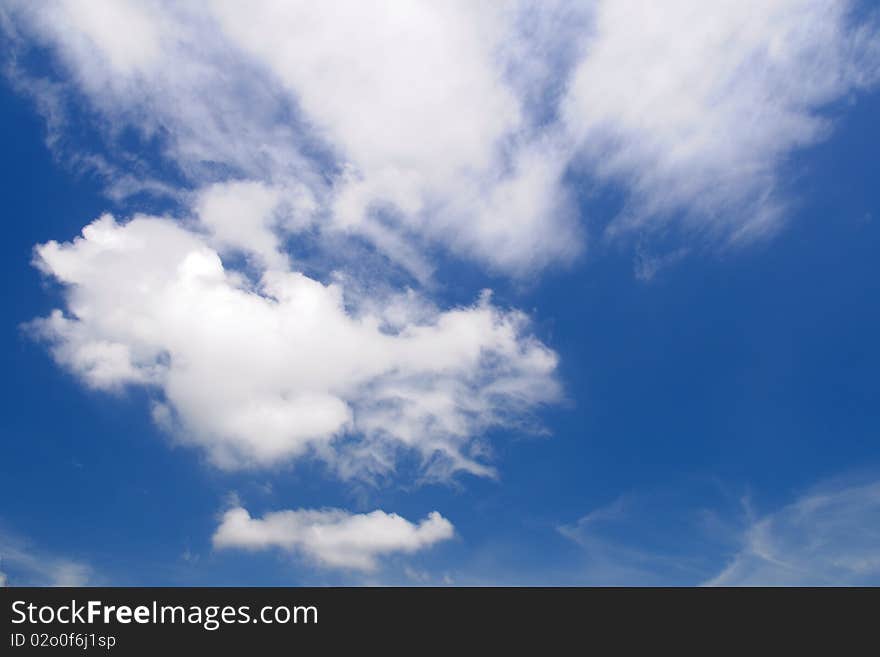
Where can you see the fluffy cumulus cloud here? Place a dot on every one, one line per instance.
(827, 538)
(258, 373)
(332, 538)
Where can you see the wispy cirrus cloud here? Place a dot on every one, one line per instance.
(657, 538)
(694, 108)
(459, 124)
(24, 564)
(405, 134)
(827, 537)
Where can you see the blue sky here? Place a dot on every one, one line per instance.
(673, 381)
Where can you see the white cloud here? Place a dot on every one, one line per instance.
(401, 132)
(179, 86)
(456, 123)
(102, 35)
(826, 538)
(247, 216)
(695, 106)
(29, 566)
(332, 538)
(259, 374)
(665, 551)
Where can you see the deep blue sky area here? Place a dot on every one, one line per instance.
(723, 388)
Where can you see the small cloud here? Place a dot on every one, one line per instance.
(647, 265)
(332, 538)
(189, 556)
(232, 499)
(418, 576)
(616, 510)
